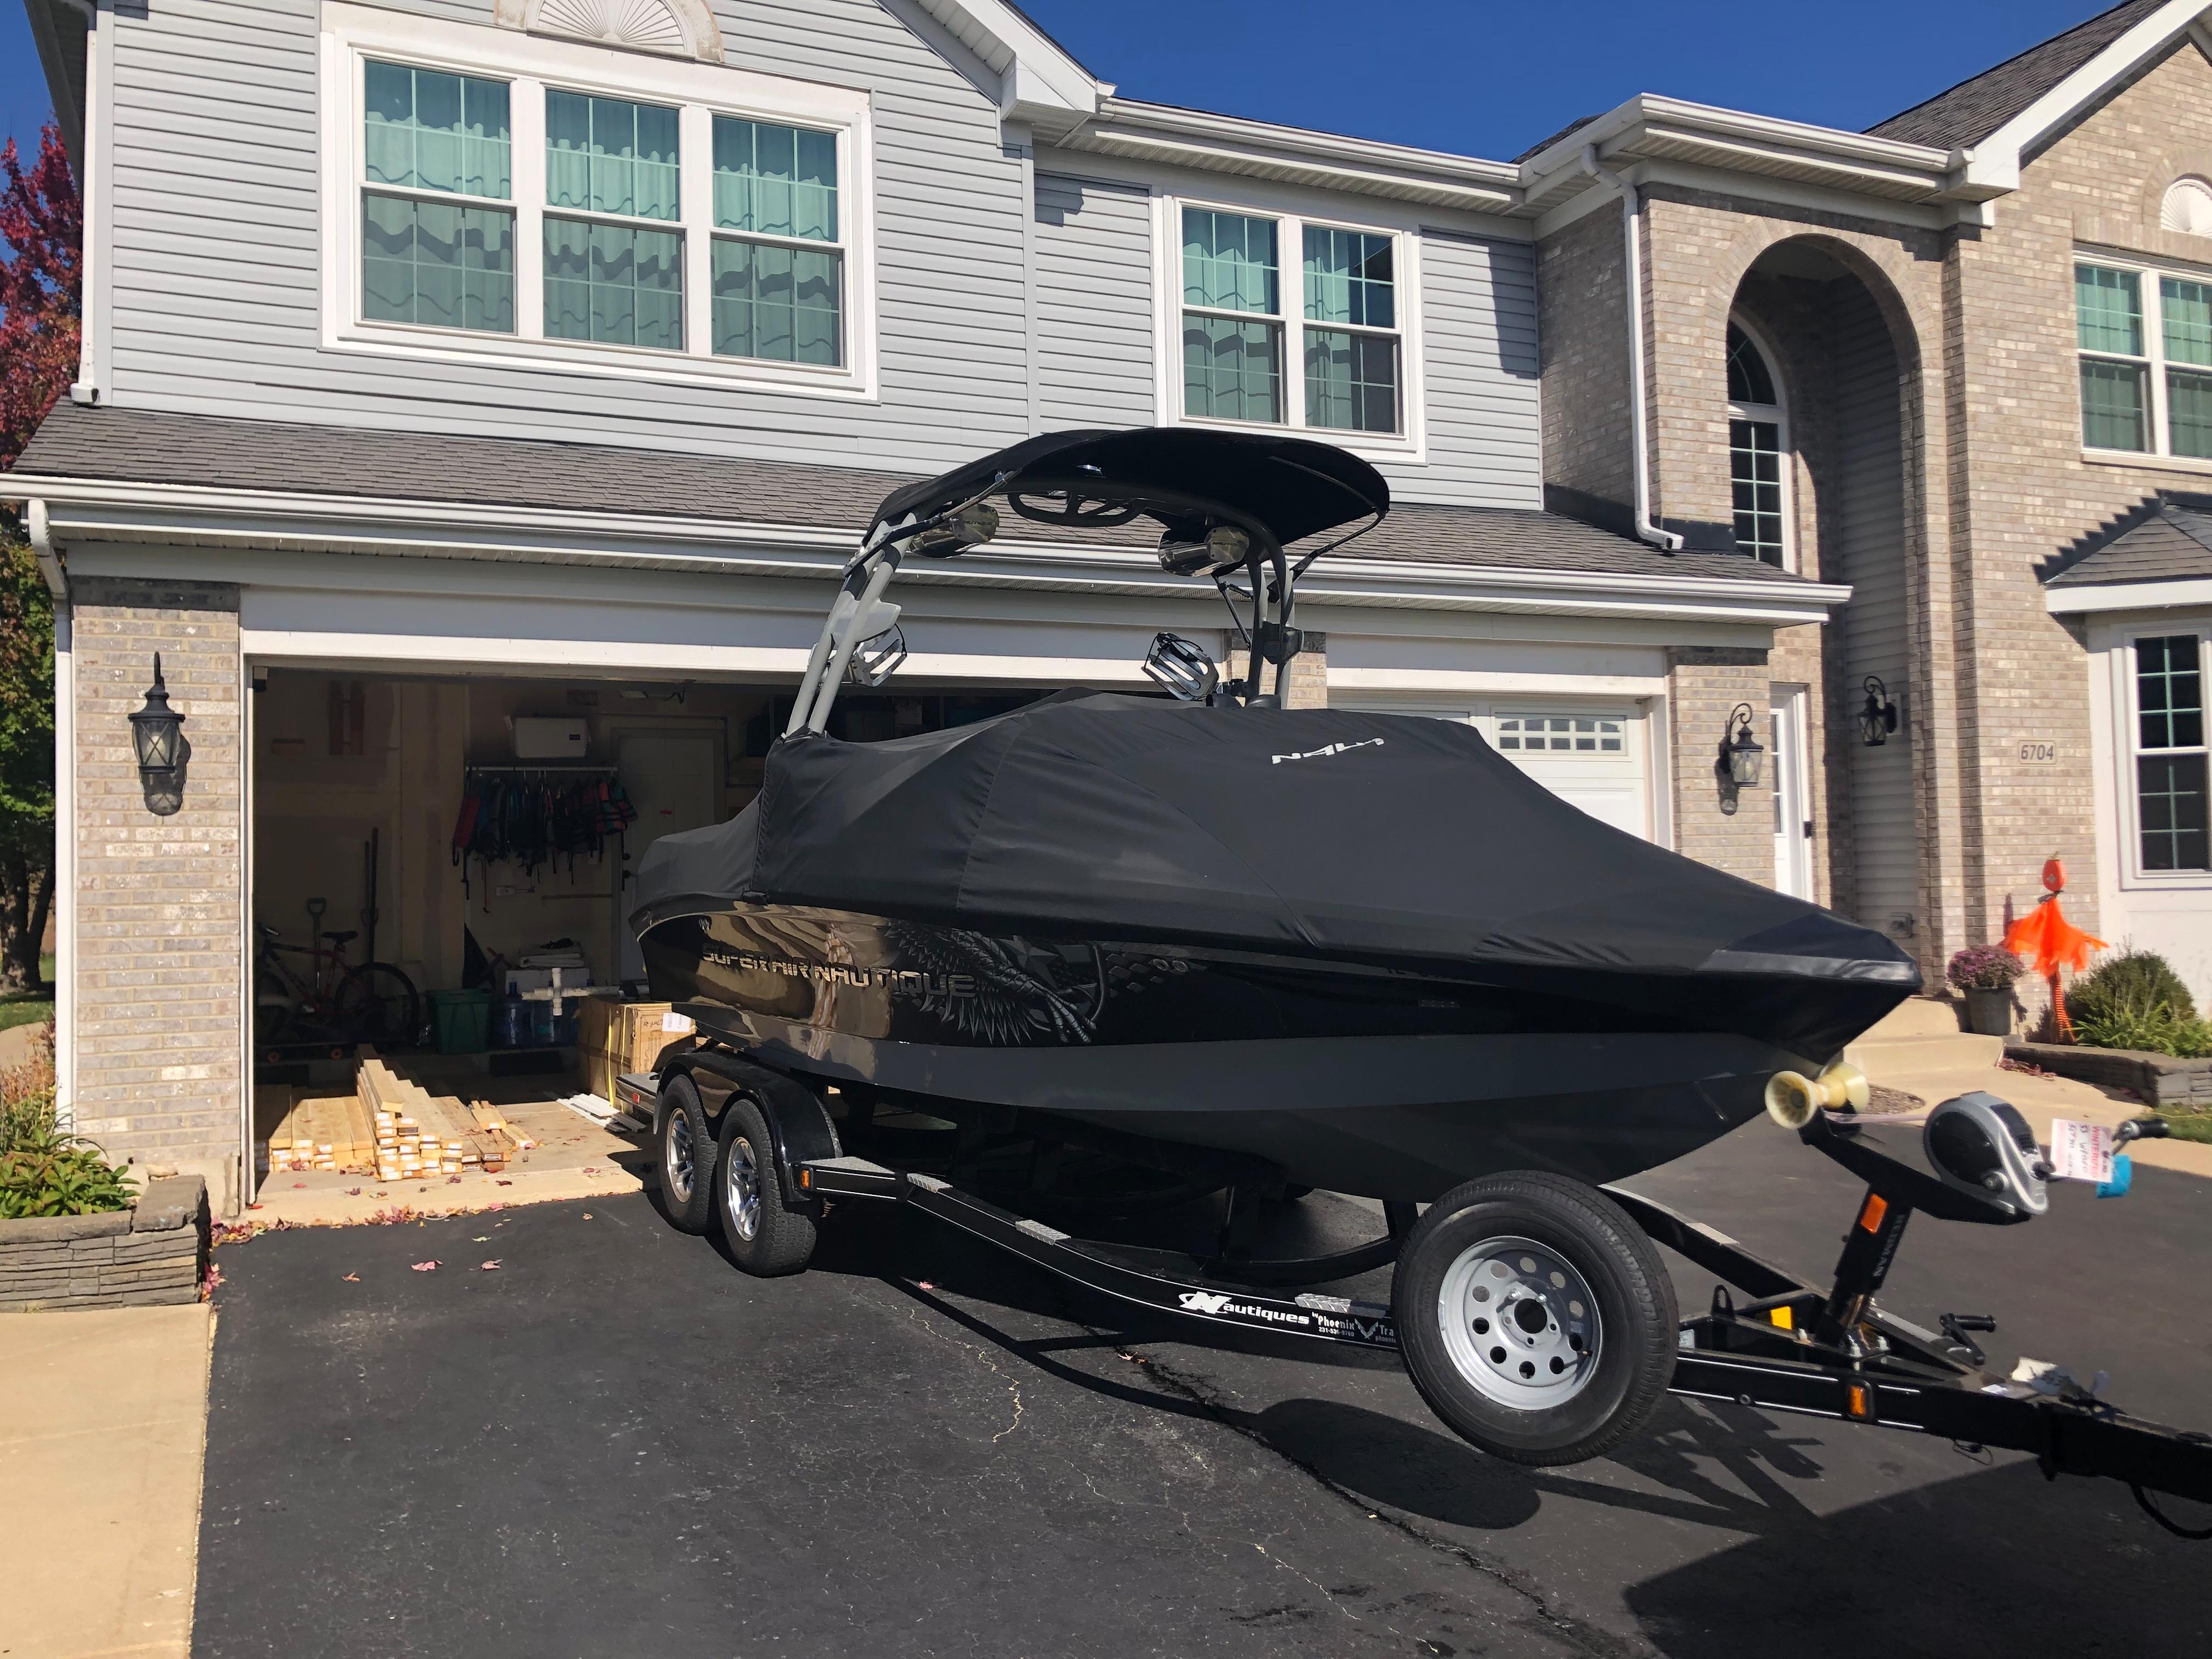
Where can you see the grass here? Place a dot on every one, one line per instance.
(30, 1008)
(2190, 1126)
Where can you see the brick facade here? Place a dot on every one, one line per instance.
(160, 983)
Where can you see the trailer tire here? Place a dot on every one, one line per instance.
(1535, 1318)
(685, 1156)
(767, 1237)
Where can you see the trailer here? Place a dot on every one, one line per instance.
(1768, 1339)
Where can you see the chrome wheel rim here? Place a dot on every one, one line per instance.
(741, 1180)
(677, 1157)
(1520, 1323)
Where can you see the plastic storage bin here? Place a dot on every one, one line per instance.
(463, 1020)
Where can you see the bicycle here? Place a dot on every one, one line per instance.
(368, 1002)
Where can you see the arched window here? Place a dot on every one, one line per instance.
(1759, 446)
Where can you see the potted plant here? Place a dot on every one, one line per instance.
(1982, 974)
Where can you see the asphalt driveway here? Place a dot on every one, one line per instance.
(613, 1443)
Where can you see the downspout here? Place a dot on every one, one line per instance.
(1631, 224)
(64, 912)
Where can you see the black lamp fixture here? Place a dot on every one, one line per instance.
(1878, 716)
(157, 732)
(1742, 759)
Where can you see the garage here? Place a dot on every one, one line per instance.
(440, 864)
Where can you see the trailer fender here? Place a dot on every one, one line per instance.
(798, 1121)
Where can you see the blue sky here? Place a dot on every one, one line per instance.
(1474, 75)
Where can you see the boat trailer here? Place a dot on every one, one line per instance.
(1768, 1340)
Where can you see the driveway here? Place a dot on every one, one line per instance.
(613, 1443)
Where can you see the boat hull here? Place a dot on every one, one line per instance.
(1394, 1084)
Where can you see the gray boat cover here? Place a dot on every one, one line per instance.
(1311, 832)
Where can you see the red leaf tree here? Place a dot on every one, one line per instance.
(41, 268)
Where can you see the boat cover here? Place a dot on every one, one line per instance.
(1311, 832)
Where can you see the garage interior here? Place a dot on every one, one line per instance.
(480, 833)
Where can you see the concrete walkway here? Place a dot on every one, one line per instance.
(101, 1450)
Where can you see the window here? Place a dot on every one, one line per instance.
(496, 196)
(2170, 753)
(433, 148)
(1342, 326)
(2145, 339)
(1560, 735)
(1758, 446)
(779, 289)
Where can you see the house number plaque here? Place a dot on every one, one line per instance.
(2038, 753)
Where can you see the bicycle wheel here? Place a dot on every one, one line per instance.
(377, 1004)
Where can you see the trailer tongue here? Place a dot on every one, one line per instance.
(1768, 1340)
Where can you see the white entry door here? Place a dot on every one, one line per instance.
(1793, 795)
(672, 778)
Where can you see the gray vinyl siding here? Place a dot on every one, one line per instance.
(1096, 355)
(216, 275)
(1870, 525)
(1478, 326)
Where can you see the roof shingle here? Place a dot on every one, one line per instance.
(2172, 543)
(1972, 110)
(143, 446)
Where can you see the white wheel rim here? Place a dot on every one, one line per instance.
(677, 1156)
(1520, 1323)
(741, 1180)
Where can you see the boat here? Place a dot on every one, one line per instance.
(1357, 951)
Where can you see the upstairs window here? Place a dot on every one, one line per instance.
(2145, 341)
(435, 150)
(1326, 353)
(2170, 753)
(494, 197)
(1758, 452)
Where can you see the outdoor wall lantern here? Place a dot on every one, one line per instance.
(1878, 718)
(157, 732)
(1742, 758)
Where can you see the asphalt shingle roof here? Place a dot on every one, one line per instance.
(2172, 543)
(1972, 110)
(143, 446)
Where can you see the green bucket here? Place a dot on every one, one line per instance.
(463, 1021)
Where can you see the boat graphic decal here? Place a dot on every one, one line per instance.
(1014, 1000)
(1326, 750)
(1218, 1304)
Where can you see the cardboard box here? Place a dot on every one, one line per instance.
(614, 1037)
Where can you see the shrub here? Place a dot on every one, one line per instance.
(2160, 1031)
(2135, 985)
(1985, 968)
(46, 1171)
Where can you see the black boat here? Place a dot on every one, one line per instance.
(1362, 952)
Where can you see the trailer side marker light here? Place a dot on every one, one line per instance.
(1858, 1402)
(1871, 1213)
(805, 1179)
(1781, 1317)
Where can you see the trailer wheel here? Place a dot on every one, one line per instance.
(766, 1238)
(685, 1156)
(1536, 1319)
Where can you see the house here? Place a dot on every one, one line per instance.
(470, 382)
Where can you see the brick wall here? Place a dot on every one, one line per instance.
(1308, 687)
(1731, 828)
(160, 989)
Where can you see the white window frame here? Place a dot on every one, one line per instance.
(2153, 359)
(530, 64)
(1777, 415)
(1411, 442)
(2128, 748)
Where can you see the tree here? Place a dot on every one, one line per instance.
(41, 272)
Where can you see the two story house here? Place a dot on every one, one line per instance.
(484, 390)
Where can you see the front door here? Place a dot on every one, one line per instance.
(1793, 795)
(672, 778)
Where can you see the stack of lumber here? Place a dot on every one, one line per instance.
(416, 1132)
(323, 1131)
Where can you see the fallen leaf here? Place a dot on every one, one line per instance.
(452, 1180)
(489, 1266)
(380, 1194)
(926, 1285)
(299, 1183)
(482, 1238)
(507, 1183)
(253, 1206)
(353, 1279)
(353, 1191)
(426, 1267)
(588, 1215)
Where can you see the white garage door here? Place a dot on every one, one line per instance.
(1591, 755)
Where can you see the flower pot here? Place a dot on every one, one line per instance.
(1989, 1013)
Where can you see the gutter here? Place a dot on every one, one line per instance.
(42, 548)
(1631, 227)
